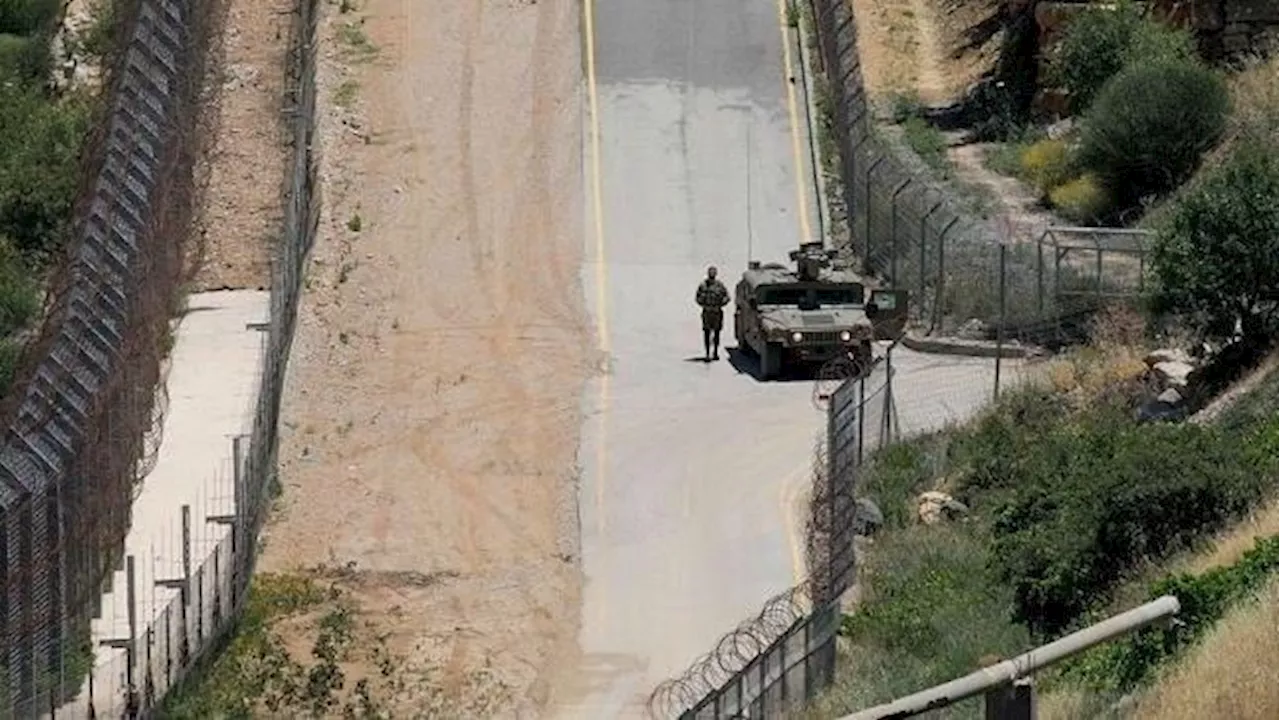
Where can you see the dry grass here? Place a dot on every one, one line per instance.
(910, 47)
(1229, 547)
(1231, 674)
(1254, 96)
(1113, 356)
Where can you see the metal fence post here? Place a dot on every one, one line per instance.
(887, 430)
(924, 228)
(1040, 276)
(862, 416)
(1000, 326)
(131, 652)
(866, 210)
(893, 231)
(1015, 701)
(942, 267)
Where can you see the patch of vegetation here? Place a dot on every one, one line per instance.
(302, 648)
(1083, 200)
(345, 94)
(96, 41)
(257, 671)
(1101, 41)
(1046, 164)
(27, 17)
(1215, 255)
(1135, 660)
(1068, 498)
(41, 135)
(927, 613)
(905, 105)
(1150, 124)
(928, 143)
(1004, 158)
(355, 42)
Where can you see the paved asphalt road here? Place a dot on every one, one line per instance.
(690, 471)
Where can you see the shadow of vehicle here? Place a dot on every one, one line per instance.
(747, 363)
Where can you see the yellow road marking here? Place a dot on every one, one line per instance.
(801, 191)
(789, 494)
(602, 275)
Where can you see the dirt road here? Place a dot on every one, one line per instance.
(433, 404)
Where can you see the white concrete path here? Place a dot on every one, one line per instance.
(213, 382)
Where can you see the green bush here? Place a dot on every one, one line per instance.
(1100, 42)
(40, 142)
(19, 295)
(1099, 495)
(1046, 164)
(927, 142)
(1215, 256)
(1083, 199)
(1150, 124)
(930, 612)
(27, 17)
(905, 105)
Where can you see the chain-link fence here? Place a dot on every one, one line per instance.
(82, 425)
(916, 235)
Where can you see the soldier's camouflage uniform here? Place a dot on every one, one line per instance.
(712, 296)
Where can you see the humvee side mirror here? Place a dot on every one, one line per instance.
(872, 310)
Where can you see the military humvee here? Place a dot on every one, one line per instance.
(812, 314)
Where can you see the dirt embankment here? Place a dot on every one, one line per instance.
(432, 409)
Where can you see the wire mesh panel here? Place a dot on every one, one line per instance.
(83, 422)
(858, 421)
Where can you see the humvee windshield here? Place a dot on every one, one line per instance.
(812, 297)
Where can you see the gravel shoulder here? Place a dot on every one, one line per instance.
(432, 409)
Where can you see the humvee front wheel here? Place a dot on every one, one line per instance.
(863, 359)
(770, 361)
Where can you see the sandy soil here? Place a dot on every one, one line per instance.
(244, 164)
(432, 408)
(913, 46)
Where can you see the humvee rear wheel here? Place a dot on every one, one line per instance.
(770, 361)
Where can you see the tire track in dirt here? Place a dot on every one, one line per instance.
(436, 389)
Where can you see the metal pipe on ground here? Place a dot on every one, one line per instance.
(1009, 671)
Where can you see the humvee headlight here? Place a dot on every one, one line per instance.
(846, 336)
(797, 337)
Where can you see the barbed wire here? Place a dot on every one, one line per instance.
(732, 654)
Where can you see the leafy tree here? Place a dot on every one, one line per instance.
(1215, 256)
(1100, 42)
(1146, 131)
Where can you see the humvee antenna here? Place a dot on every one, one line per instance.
(750, 255)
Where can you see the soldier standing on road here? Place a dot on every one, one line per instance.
(712, 296)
